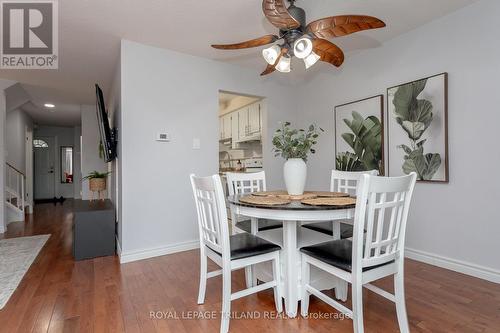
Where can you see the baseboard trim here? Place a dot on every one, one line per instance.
(118, 247)
(126, 257)
(463, 267)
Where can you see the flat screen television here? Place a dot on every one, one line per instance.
(107, 134)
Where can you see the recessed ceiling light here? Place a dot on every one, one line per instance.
(49, 105)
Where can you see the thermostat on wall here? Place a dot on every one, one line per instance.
(163, 137)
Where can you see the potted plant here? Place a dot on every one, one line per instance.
(294, 145)
(97, 182)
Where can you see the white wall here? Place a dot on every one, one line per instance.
(90, 147)
(64, 136)
(4, 84)
(459, 220)
(2, 161)
(16, 123)
(177, 93)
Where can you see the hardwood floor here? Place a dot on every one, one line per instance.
(61, 295)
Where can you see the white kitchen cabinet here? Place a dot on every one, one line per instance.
(221, 128)
(242, 123)
(254, 118)
(249, 122)
(225, 127)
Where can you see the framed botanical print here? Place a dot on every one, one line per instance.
(359, 135)
(417, 126)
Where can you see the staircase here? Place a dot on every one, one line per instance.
(14, 194)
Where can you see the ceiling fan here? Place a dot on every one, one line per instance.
(307, 42)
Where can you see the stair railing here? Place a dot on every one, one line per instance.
(15, 187)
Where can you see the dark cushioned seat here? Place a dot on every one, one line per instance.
(263, 225)
(346, 230)
(337, 253)
(246, 245)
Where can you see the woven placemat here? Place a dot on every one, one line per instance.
(328, 194)
(269, 193)
(267, 201)
(329, 201)
(298, 197)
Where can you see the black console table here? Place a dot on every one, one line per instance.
(93, 229)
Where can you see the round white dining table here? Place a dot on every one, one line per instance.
(293, 216)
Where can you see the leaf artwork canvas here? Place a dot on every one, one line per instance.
(359, 135)
(417, 129)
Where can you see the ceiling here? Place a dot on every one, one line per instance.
(90, 33)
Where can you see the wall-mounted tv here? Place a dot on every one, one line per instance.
(108, 135)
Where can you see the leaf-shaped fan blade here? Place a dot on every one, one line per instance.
(328, 52)
(271, 68)
(336, 26)
(264, 40)
(276, 12)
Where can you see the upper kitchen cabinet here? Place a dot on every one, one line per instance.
(225, 127)
(254, 118)
(249, 122)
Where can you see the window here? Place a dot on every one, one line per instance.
(37, 143)
(66, 165)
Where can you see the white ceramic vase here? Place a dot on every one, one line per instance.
(295, 173)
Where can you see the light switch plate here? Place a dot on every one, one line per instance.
(196, 143)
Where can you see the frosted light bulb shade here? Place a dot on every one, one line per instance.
(284, 65)
(302, 47)
(271, 54)
(311, 59)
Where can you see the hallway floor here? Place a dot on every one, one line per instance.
(159, 295)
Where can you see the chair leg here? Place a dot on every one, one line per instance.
(226, 300)
(357, 306)
(305, 277)
(203, 277)
(399, 289)
(277, 289)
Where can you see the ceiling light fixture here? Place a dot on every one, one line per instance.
(306, 41)
(271, 54)
(311, 59)
(285, 64)
(302, 47)
(49, 105)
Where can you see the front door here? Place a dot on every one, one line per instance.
(44, 167)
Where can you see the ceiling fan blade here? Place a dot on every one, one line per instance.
(336, 26)
(328, 52)
(271, 68)
(276, 12)
(264, 40)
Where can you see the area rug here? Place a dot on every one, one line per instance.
(16, 257)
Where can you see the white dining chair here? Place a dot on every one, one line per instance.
(382, 207)
(345, 182)
(242, 183)
(228, 252)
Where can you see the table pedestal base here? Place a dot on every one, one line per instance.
(294, 237)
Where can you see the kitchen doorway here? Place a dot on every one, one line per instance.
(241, 130)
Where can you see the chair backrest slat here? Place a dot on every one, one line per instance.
(382, 209)
(241, 183)
(347, 181)
(211, 210)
